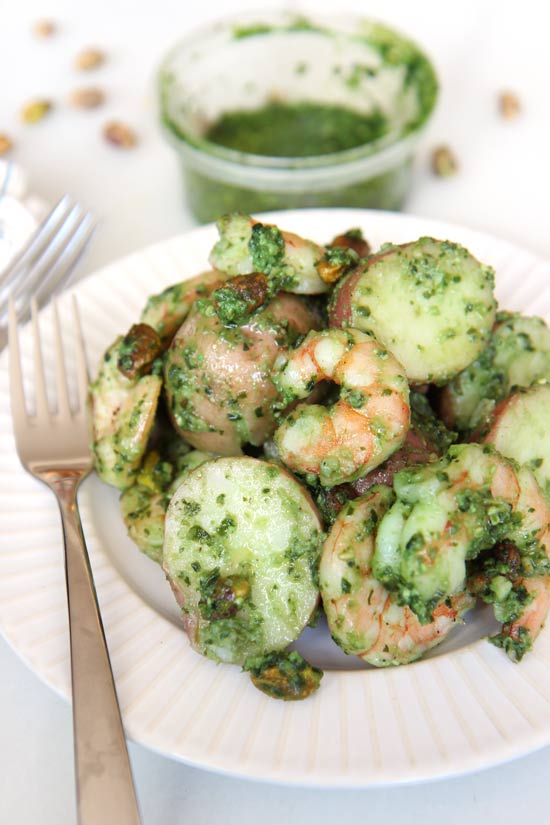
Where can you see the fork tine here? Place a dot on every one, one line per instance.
(54, 273)
(50, 253)
(47, 263)
(81, 362)
(63, 405)
(60, 274)
(17, 393)
(41, 239)
(42, 410)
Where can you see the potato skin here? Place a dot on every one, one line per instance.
(340, 304)
(167, 310)
(342, 297)
(218, 379)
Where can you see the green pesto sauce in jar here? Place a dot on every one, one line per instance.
(286, 154)
(209, 198)
(302, 129)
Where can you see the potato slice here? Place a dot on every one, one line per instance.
(241, 550)
(518, 355)
(429, 302)
(519, 430)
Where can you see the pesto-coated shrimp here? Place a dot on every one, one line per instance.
(364, 618)
(518, 635)
(427, 440)
(124, 403)
(451, 511)
(369, 421)
(520, 602)
(288, 261)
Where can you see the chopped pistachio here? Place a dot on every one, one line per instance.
(444, 163)
(35, 110)
(336, 261)
(44, 28)
(6, 144)
(509, 105)
(119, 134)
(283, 675)
(352, 239)
(89, 59)
(87, 98)
(138, 350)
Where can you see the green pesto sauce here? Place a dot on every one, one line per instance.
(208, 196)
(296, 129)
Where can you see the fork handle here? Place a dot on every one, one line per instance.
(104, 784)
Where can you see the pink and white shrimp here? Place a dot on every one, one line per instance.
(364, 618)
(367, 424)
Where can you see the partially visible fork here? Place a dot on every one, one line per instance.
(47, 261)
(53, 445)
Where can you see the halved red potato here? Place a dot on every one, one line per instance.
(218, 379)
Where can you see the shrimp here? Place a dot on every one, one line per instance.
(426, 440)
(124, 404)
(364, 618)
(518, 635)
(367, 424)
(288, 261)
(451, 511)
(520, 597)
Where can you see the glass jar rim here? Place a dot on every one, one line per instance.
(229, 164)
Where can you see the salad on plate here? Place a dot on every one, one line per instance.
(311, 427)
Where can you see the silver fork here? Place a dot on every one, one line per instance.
(53, 445)
(47, 261)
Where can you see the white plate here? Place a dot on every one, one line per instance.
(465, 708)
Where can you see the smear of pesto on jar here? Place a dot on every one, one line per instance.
(303, 129)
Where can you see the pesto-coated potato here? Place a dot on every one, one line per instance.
(143, 505)
(430, 303)
(241, 549)
(517, 355)
(218, 378)
(124, 405)
(519, 429)
(167, 310)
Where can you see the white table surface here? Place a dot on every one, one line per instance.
(479, 48)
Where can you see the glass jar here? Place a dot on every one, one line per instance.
(240, 64)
